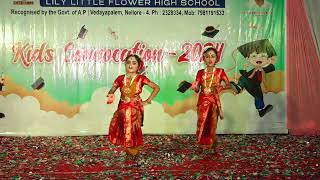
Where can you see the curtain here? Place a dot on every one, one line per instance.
(303, 72)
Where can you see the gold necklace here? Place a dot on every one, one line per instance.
(127, 89)
(207, 89)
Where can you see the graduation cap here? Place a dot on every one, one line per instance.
(259, 46)
(210, 32)
(38, 84)
(184, 86)
(82, 33)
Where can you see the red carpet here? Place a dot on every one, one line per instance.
(163, 157)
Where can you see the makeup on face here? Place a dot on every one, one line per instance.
(210, 58)
(132, 65)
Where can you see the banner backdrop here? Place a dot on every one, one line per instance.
(59, 58)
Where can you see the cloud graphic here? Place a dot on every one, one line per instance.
(24, 117)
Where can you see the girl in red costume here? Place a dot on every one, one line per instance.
(125, 126)
(208, 83)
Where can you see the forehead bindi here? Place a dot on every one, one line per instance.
(132, 60)
(211, 53)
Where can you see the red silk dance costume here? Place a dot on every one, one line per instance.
(208, 105)
(125, 126)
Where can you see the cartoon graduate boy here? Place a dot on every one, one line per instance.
(262, 56)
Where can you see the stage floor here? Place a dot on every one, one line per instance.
(162, 157)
